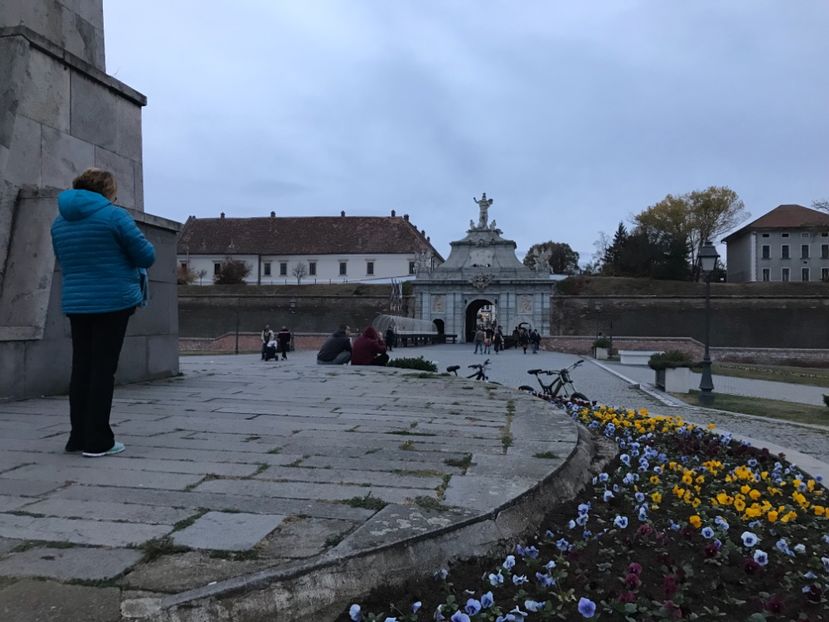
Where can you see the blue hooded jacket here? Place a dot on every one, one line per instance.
(100, 251)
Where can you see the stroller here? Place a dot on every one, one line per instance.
(270, 351)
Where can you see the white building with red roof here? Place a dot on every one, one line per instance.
(789, 243)
(311, 249)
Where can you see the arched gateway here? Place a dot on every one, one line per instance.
(482, 282)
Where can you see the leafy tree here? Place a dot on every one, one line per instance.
(558, 257)
(695, 217)
(648, 254)
(232, 272)
(299, 272)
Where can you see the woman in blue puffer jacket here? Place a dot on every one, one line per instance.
(102, 255)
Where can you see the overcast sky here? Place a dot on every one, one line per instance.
(571, 116)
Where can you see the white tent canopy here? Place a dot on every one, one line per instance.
(403, 325)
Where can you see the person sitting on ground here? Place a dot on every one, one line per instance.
(337, 348)
(284, 339)
(369, 349)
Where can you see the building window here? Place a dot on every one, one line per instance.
(370, 267)
(824, 274)
(411, 267)
(784, 251)
(266, 268)
(217, 268)
(804, 235)
(765, 235)
(784, 275)
(784, 235)
(283, 268)
(824, 251)
(343, 268)
(766, 251)
(312, 268)
(766, 274)
(825, 234)
(184, 265)
(804, 275)
(804, 251)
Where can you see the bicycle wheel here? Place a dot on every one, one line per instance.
(526, 387)
(579, 396)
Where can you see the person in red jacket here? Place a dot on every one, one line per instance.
(369, 349)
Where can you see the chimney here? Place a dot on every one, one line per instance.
(428, 239)
(273, 214)
(222, 215)
(406, 217)
(423, 232)
(342, 213)
(393, 214)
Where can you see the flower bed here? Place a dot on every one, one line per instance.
(684, 524)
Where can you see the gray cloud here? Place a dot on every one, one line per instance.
(573, 116)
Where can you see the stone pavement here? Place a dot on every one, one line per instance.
(510, 368)
(245, 483)
(241, 472)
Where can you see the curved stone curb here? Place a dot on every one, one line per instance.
(320, 588)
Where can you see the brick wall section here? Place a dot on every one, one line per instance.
(248, 342)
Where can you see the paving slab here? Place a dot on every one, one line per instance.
(84, 564)
(76, 531)
(224, 531)
(278, 468)
(9, 503)
(48, 601)
(184, 571)
(7, 545)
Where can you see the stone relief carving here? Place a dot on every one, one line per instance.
(480, 281)
(438, 303)
(525, 303)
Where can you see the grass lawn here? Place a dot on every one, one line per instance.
(788, 411)
(814, 376)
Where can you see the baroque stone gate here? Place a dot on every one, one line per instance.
(482, 271)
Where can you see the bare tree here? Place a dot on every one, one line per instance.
(822, 204)
(299, 271)
(201, 274)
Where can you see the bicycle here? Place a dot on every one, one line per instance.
(478, 374)
(561, 384)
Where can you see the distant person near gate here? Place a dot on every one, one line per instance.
(284, 338)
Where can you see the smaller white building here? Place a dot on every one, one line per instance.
(311, 249)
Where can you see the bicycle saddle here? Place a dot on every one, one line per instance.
(535, 372)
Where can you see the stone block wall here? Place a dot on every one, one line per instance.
(785, 320)
(60, 113)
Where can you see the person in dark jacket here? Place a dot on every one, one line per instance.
(102, 255)
(284, 339)
(266, 336)
(337, 348)
(391, 338)
(369, 349)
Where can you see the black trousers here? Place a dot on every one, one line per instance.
(96, 345)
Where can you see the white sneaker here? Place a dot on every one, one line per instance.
(117, 448)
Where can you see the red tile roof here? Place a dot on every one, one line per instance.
(785, 217)
(310, 235)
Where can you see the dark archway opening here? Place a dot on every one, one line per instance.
(478, 313)
(439, 326)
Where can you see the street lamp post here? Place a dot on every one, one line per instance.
(708, 262)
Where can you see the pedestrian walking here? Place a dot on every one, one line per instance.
(283, 338)
(266, 336)
(479, 340)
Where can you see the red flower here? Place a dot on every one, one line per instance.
(632, 581)
(644, 530)
(750, 566)
(670, 585)
(774, 604)
(634, 568)
(627, 597)
(711, 550)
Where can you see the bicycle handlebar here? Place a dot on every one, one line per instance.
(552, 372)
